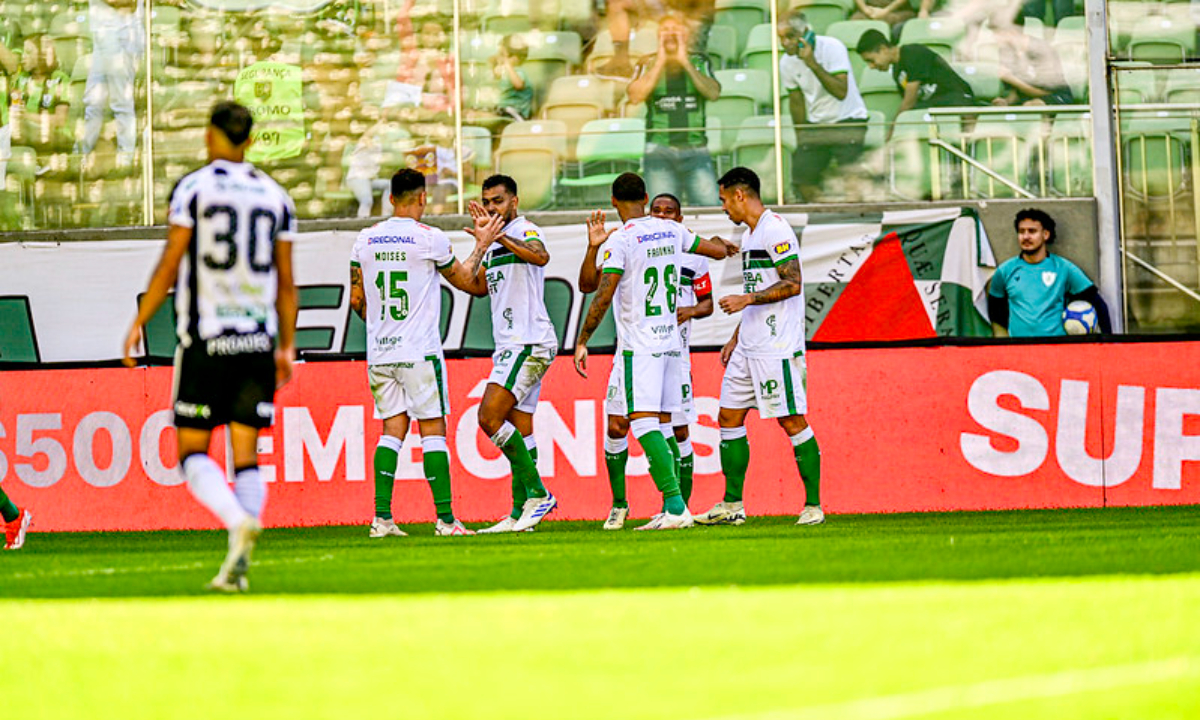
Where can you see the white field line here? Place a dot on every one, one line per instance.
(989, 692)
(133, 570)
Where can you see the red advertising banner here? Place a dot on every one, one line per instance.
(901, 430)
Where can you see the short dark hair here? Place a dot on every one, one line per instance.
(670, 197)
(741, 177)
(509, 184)
(407, 181)
(1038, 216)
(629, 187)
(233, 120)
(872, 40)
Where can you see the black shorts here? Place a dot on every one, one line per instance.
(214, 390)
(820, 145)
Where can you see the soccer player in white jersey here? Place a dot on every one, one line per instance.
(514, 276)
(400, 260)
(764, 360)
(640, 269)
(229, 257)
(693, 282)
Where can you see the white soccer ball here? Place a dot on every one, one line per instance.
(1079, 318)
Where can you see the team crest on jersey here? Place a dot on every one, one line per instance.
(262, 90)
(781, 248)
(1048, 278)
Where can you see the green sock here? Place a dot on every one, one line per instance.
(735, 459)
(523, 466)
(7, 510)
(615, 462)
(437, 472)
(385, 476)
(687, 470)
(808, 460)
(518, 489)
(662, 470)
(673, 445)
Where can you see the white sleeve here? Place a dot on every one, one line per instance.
(182, 197)
(835, 58)
(441, 252)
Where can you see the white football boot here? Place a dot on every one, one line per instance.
(533, 511)
(232, 575)
(504, 526)
(451, 529)
(667, 521)
(616, 518)
(381, 528)
(723, 513)
(811, 515)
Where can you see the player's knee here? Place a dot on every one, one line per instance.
(681, 433)
(490, 420)
(618, 427)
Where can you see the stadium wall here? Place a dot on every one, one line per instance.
(901, 430)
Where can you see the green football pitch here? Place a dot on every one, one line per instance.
(1038, 614)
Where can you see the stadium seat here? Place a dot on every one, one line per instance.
(1161, 40)
(1011, 145)
(754, 148)
(1070, 150)
(536, 134)
(876, 130)
(941, 34)
(849, 32)
(479, 47)
(744, 93)
(1155, 154)
(983, 77)
(531, 152)
(606, 149)
(754, 85)
(577, 100)
(643, 41)
(722, 46)
(758, 48)
(821, 14)
(1183, 86)
(559, 45)
(1072, 28)
(912, 162)
(479, 143)
(741, 15)
(1074, 58)
(879, 92)
(507, 24)
(17, 340)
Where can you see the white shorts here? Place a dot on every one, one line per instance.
(416, 388)
(776, 386)
(687, 411)
(519, 369)
(644, 383)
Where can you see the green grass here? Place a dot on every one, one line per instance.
(1047, 614)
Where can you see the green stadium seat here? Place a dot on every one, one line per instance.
(1072, 28)
(559, 294)
(1070, 145)
(754, 148)
(536, 134)
(758, 48)
(879, 92)
(941, 34)
(741, 15)
(478, 335)
(912, 161)
(876, 130)
(479, 142)
(1160, 39)
(1156, 151)
(643, 41)
(983, 77)
(823, 13)
(559, 45)
(1074, 58)
(507, 24)
(531, 152)
(849, 32)
(754, 85)
(1183, 86)
(606, 149)
(722, 46)
(480, 47)
(1008, 144)
(18, 341)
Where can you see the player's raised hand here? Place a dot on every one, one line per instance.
(475, 210)
(284, 358)
(132, 341)
(581, 355)
(731, 248)
(597, 234)
(734, 303)
(487, 228)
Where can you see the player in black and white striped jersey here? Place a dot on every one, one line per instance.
(229, 258)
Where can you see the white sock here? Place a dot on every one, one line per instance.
(391, 442)
(733, 433)
(504, 434)
(434, 443)
(613, 446)
(644, 426)
(685, 447)
(667, 429)
(250, 490)
(207, 482)
(802, 437)
(530, 443)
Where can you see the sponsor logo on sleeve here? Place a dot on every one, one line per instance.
(781, 248)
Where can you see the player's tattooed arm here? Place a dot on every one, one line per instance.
(358, 296)
(531, 251)
(604, 296)
(790, 284)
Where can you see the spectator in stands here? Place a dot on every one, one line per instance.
(118, 41)
(1028, 293)
(1031, 71)
(10, 64)
(675, 84)
(41, 89)
(363, 175)
(621, 14)
(925, 79)
(892, 12)
(516, 94)
(826, 107)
